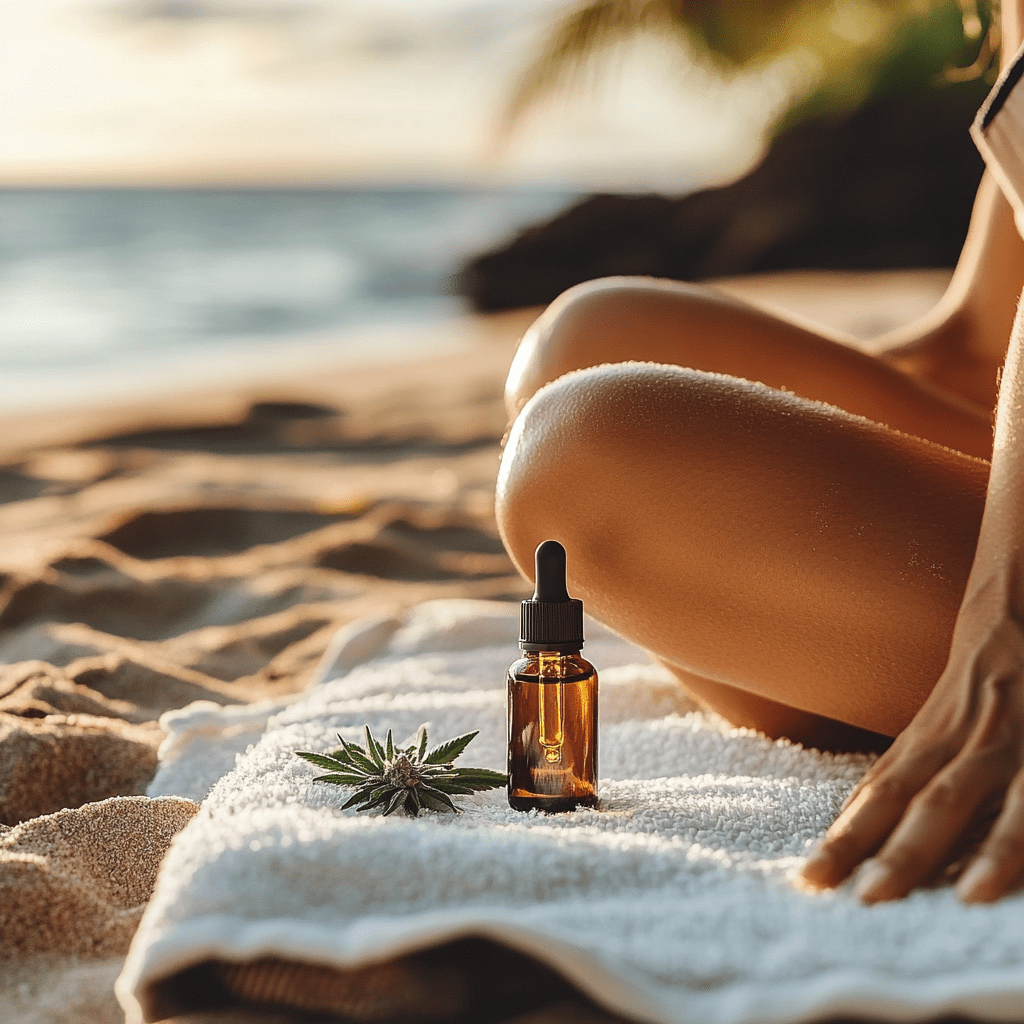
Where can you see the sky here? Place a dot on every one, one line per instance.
(357, 92)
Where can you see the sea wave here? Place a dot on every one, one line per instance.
(92, 280)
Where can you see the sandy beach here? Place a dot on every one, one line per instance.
(207, 546)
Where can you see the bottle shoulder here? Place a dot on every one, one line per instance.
(560, 667)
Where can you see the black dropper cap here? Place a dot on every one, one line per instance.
(551, 620)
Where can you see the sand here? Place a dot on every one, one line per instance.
(204, 546)
(208, 545)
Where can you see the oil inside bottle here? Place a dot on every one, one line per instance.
(551, 697)
(552, 732)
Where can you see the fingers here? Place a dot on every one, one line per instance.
(1000, 861)
(934, 822)
(873, 812)
(936, 789)
(903, 825)
(860, 829)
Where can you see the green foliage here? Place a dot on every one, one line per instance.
(862, 49)
(410, 777)
(938, 49)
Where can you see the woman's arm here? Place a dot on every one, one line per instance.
(956, 773)
(960, 762)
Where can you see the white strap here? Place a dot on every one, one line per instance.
(998, 132)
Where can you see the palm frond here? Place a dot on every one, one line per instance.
(851, 40)
(582, 35)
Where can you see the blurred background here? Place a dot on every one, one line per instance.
(192, 189)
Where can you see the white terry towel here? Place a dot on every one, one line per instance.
(673, 902)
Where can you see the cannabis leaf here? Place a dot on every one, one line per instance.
(386, 775)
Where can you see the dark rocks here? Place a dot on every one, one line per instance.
(889, 185)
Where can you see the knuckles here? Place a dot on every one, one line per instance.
(943, 795)
(891, 789)
(844, 849)
(1006, 847)
(908, 863)
(963, 753)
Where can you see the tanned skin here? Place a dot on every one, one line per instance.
(819, 543)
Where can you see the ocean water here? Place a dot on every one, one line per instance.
(109, 291)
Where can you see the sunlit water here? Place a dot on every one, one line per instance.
(106, 285)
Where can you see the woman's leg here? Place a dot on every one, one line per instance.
(616, 319)
(765, 544)
(936, 380)
(959, 346)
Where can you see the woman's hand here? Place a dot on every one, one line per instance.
(955, 775)
(958, 765)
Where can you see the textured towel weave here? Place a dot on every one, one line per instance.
(673, 902)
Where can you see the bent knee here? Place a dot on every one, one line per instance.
(548, 461)
(578, 442)
(587, 325)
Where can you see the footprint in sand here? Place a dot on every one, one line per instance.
(404, 542)
(112, 600)
(15, 486)
(209, 532)
(267, 426)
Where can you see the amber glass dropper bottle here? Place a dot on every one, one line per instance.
(552, 699)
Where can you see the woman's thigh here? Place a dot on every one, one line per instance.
(750, 537)
(649, 320)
